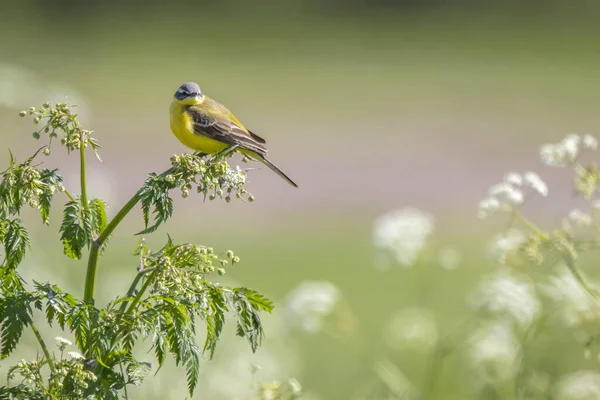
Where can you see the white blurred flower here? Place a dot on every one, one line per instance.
(280, 390)
(21, 88)
(567, 150)
(590, 142)
(309, 304)
(235, 374)
(515, 197)
(570, 144)
(412, 328)
(488, 207)
(61, 341)
(550, 155)
(579, 218)
(493, 353)
(449, 258)
(503, 244)
(514, 178)
(573, 301)
(535, 182)
(581, 385)
(403, 234)
(500, 189)
(75, 355)
(503, 196)
(295, 387)
(504, 294)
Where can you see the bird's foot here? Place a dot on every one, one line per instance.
(222, 154)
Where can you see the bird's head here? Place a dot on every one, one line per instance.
(189, 93)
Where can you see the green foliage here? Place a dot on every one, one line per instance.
(16, 240)
(212, 179)
(25, 184)
(81, 225)
(175, 290)
(15, 315)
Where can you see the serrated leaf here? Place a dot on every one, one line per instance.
(76, 230)
(14, 318)
(249, 324)
(257, 300)
(16, 241)
(50, 183)
(95, 147)
(98, 211)
(214, 318)
(155, 200)
(192, 369)
(137, 371)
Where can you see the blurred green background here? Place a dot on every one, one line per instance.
(369, 105)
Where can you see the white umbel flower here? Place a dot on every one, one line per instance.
(535, 182)
(575, 304)
(581, 385)
(567, 150)
(571, 145)
(493, 353)
(309, 304)
(506, 295)
(75, 355)
(551, 155)
(504, 244)
(61, 341)
(590, 142)
(514, 178)
(579, 218)
(488, 207)
(403, 234)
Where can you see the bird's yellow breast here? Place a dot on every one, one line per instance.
(183, 128)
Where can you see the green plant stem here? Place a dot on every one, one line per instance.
(90, 278)
(125, 385)
(126, 310)
(141, 292)
(435, 369)
(69, 195)
(533, 227)
(84, 198)
(131, 290)
(42, 345)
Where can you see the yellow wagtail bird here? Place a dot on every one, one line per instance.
(207, 126)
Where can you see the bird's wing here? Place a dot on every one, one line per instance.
(214, 120)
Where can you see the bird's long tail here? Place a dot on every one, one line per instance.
(275, 169)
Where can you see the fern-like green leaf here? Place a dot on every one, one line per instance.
(16, 241)
(50, 183)
(246, 312)
(137, 371)
(155, 200)
(214, 318)
(76, 230)
(256, 299)
(14, 317)
(98, 211)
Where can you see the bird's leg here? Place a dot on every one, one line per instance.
(223, 153)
